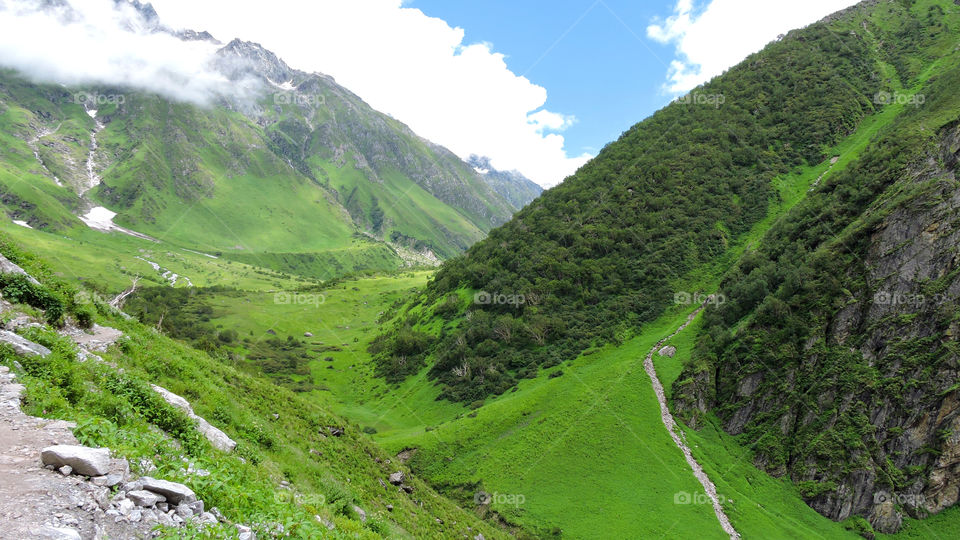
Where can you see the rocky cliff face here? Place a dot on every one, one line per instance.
(864, 412)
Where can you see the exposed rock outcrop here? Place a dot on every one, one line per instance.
(21, 346)
(217, 438)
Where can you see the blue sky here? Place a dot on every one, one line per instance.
(594, 58)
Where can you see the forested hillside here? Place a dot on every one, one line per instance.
(604, 252)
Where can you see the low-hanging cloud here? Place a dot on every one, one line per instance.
(102, 42)
(712, 36)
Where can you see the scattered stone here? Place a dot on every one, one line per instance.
(389, 508)
(335, 431)
(135, 515)
(145, 498)
(174, 492)
(185, 512)
(307, 334)
(360, 513)
(245, 533)
(406, 488)
(196, 507)
(217, 514)
(668, 351)
(83, 460)
(163, 507)
(66, 470)
(109, 480)
(208, 519)
(397, 478)
(126, 506)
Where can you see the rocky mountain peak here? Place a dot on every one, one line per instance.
(243, 58)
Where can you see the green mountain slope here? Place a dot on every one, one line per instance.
(658, 219)
(304, 178)
(293, 467)
(836, 352)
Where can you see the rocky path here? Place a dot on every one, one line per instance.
(671, 426)
(39, 503)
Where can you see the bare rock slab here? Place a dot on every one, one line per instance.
(175, 493)
(22, 346)
(83, 460)
(217, 438)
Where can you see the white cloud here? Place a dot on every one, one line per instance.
(711, 39)
(413, 67)
(98, 43)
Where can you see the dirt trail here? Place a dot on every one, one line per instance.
(671, 426)
(39, 503)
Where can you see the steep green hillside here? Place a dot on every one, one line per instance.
(835, 352)
(833, 112)
(605, 251)
(282, 438)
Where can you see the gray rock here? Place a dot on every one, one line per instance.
(83, 460)
(9, 267)
(66, 470)
(58, 533)
(208, 519)
(126, 506)
(668, 351)
(22, 346)
(217, 438)
(109, 480)
(397, 478)
(135, 515)
(196, 507)
(245, 533)
(145, 498)
(163, 507)
(185, 512)
(360, 513)
(174, 492)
